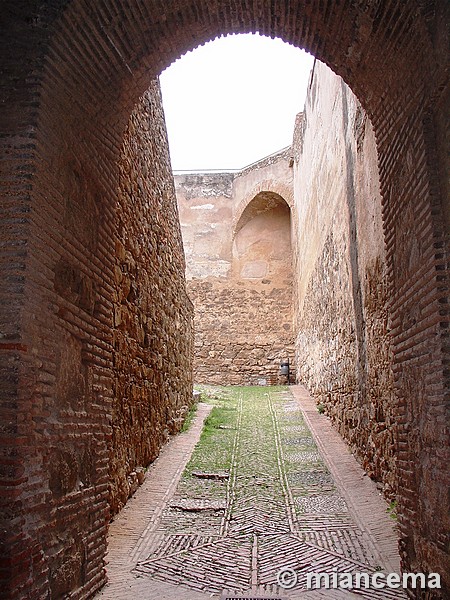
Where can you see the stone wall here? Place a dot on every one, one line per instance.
(153, 328)
(103, 351)
(242, 333)
(343, 348)
(237, 237)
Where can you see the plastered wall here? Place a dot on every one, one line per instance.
(237, 237)
(343, 348)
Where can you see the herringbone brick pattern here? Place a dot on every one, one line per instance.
(278, 506)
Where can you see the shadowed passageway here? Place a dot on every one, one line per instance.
(259, 496)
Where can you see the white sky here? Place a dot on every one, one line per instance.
(233, 101)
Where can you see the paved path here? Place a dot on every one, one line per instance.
(272, 488)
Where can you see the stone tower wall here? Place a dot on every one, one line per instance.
(236, 231)
(343, 348)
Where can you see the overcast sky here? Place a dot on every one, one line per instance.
(233, 101)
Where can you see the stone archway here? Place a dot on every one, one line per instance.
(267, 211)
(73, 72)
(266, 191)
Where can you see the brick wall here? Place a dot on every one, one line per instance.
(103, 351)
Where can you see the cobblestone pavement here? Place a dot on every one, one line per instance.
(270, 486)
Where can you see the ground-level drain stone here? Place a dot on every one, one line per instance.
(204, 475)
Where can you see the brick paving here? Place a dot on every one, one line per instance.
(278, 488)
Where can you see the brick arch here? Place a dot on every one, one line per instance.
(75, 76)
(115, 50)
(278, 190)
